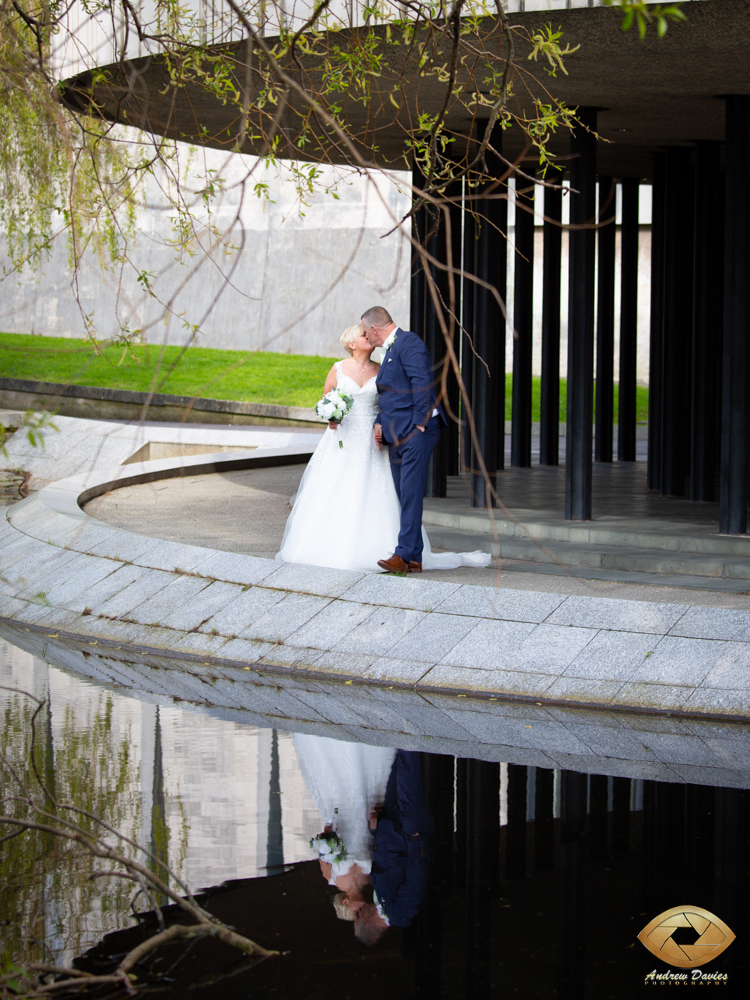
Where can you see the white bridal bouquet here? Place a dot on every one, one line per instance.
(330, 847)
(334, 406)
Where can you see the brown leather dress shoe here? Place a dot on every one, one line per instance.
(415, 567)
(395, 564)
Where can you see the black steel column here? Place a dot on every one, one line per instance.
(734, 414)
(434, 338)
(605, 320)
(482, 860)
(452, 411)
(629, 238)
(523, 322)
(468, 327)
(578, 460)
(572, 886)
(678, 323)
(418, 284)
(549, 417)
(656, 334)
(488, 389)
(708, 324)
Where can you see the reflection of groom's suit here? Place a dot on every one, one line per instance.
(401, 858)
(408, 397)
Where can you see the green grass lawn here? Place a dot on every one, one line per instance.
(257, 377)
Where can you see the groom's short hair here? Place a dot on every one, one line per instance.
(376, 316)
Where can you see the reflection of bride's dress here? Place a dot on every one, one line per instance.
(346, 514)
(345, 781)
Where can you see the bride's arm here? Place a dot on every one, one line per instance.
(330, 380)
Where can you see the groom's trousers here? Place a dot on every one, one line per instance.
(409, 461)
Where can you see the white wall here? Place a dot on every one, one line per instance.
(299, 276)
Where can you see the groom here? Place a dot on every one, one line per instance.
(410, 421)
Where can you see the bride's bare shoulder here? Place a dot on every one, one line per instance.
(332, 377)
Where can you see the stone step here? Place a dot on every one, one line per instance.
(676, 538)
(620, 562)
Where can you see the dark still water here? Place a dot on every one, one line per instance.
(429, 875)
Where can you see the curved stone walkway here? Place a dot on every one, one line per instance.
(67, 573)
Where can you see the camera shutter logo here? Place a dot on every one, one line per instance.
(686, 936)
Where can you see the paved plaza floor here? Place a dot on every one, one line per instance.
(245, 511)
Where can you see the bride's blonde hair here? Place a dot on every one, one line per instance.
(350, 335)
(342, 912)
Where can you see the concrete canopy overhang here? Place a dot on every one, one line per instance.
(652, 93)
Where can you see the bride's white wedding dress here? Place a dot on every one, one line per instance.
(345, 780)
(346, 514)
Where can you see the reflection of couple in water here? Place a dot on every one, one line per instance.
(375, 844)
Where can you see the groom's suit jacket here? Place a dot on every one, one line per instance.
(406, 384)
(401, 859)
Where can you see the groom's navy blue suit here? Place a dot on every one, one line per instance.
(408, 397)
(402, 840)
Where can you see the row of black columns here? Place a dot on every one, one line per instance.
(699, 402)
(699, 399)
(700, 323)
(688, 841)
(475, 223)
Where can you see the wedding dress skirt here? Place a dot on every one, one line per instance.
(346, 514)
(345, 780)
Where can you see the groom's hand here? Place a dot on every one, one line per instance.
(378, 434)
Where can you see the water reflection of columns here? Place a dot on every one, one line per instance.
(572, 909)
(482, 861)
(427, 932)
(515, 830)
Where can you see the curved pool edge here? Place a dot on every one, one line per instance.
(66, 573)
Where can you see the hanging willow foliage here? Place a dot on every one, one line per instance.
(373, 86)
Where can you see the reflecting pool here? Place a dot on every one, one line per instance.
(377, 870)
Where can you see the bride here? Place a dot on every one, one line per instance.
(346, 782)
(346, 513)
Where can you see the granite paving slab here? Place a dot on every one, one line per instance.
(398, 671)
(191, 614)
(612, 655)
(435, 635)
(630, 616)
(79, 578)
(400, 592)
(511, 605)
(247, 607)
(132, 595)
(331, 625)
(714, 623)
(94, 596)
(320, 580)
(284, 618)
(232, 567)
(488, 644)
